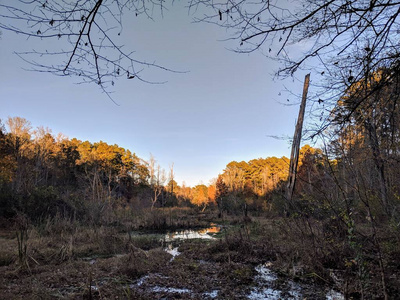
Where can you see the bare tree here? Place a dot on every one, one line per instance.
(171, 179)
(339, 40)
(157, 179)
(294, 156)
(84, 37)
(325, 29)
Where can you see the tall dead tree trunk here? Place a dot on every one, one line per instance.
(379, 162)
(294, 156)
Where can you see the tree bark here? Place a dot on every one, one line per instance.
(294, 156)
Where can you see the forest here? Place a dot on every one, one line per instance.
(89, 220)
(43, 175)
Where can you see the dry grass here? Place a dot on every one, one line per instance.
(71, 261)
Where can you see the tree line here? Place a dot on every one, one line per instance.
(42, 175)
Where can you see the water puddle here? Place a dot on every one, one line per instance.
(179, 235)
(190, 234)
(265, 274)
(264, 289)
(162, 289)
(333, 295)
(212, 294)
(142, 282)
(173, 251)
(268, 289)
(172, 239)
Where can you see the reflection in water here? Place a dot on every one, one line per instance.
(161, 289)
(144, 281)
(333, 295)
(264, 278)
(192, 234)
(267, 290)
(173, 251)
(171, 237)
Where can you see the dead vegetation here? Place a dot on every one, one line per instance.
(67, 260)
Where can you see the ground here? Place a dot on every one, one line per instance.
(107, 262)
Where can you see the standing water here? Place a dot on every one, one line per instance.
(188, 234)
(204, 233)
(267, 288)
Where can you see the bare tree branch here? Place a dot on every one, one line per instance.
(88, 28)
(342, 41)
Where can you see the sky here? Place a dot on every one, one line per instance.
(225, 107)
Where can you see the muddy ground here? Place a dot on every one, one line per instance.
(107, 263)
(270, 259)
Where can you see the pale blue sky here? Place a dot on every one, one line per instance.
(223, 109)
